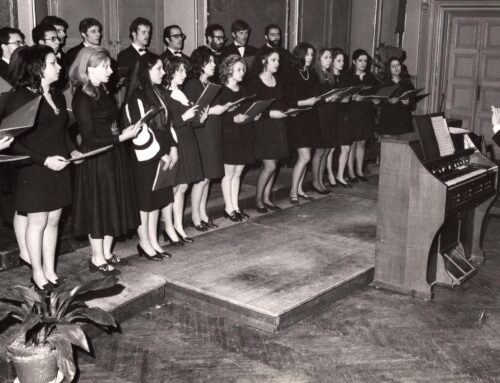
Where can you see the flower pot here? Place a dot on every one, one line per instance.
(33, 364)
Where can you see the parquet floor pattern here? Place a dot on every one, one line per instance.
(372, 336)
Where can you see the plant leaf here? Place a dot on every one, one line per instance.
(97, 284)
(9, 308)
(30, 321)
(93, 314)
(29, 296)
(74, 334)
(64, 356)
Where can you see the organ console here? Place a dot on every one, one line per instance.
(433, 196)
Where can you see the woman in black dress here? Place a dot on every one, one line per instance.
(303, 131)
(105, 203)
(209, 136)
(270, 131)
(43, 186)
(185, 117)
(153, 143)
(361, 114)
(395, 114)
(237, 135)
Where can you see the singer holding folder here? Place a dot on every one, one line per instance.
(209, 136)
(153, 143)
(395, 114)
(270, 130)
(105, 203)
(44, 185)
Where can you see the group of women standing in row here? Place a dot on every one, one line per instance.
(113, 191)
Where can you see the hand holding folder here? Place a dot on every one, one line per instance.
(257, 108)
(207, 97)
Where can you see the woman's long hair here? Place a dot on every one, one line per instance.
(141, 78)
(88, 57)
(404, 76)
(324, 76)
(199, 59)
(299, 54)
(262, 58)
(29, 67)
(356, 54)
(171, 66)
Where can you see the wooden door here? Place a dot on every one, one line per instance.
(473, 71)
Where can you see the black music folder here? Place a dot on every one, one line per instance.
(257, 108)
(164, 177)
(20, 120)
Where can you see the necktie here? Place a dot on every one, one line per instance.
(142, 50)
(178, 54)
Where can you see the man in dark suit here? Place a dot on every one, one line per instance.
(240, 31)
(10, 40)
(215, 39)
(174, 40)
(272, 35)
(140, 33)
(61, 27)
(91, 32)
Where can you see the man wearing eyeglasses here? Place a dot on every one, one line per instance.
(10, 40)
(174, 40)
(215, 38)
(61, 27)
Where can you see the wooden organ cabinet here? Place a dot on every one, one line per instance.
(430, 213)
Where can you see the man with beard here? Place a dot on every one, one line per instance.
(272, 34)
(140, 33)
(240, 31)
(215, 38)
(91, 32)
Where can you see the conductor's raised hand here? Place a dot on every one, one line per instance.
(240, 118)
(190, 113)
(56, 163)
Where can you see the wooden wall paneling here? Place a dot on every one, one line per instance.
(8, 13)
(184, 14)
(340, 24)
(257, 13)
(314, 22)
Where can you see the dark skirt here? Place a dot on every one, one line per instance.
(328, 123)
(362, 120)
(189, 170)
(105, 198)
(39, 189)
(238, 144)
(209, 139)
(147, 199)
(270, 139)
(344, 131)
(303, 131)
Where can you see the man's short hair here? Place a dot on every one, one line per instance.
(38, 33)
(5, 33)
(211, 28)
(54, 20)
(88, 23)
(134, 25)
(168, 29)
(240, 25)
(271, 26)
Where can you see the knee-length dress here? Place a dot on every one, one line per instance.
(237, 139)
(396, 118)
(208, 136)
(153, 141)
(303, 130)
(361, 114)
(189, 164)
(38, 188)
(105, 200)
(270, 133)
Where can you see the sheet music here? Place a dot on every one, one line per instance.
(443, 136)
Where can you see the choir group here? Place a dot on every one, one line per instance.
(112, 192)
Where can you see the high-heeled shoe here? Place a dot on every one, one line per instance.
(116, 261)
(305, 196)
(352, 180)
(294, 200)
(48, 287)
(242, 214)
(200, 226)
(232, 216)
(332, 185)
(261, 210)
(142, 253)
(272, 207)
(104, 269)
(210, 224)
(166, 238)
(322, 192)
(184, 239)
(344, 184)
(164, 254)
(362, 178)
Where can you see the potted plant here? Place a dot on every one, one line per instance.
(50, 324)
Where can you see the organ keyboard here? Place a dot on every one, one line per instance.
(430, 215)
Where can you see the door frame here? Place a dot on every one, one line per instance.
(435, 34)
